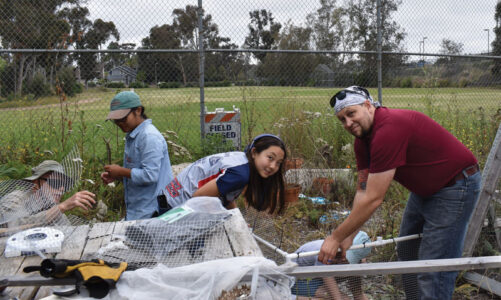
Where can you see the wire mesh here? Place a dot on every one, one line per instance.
(195, 237)
(33, 203)
(61, 63)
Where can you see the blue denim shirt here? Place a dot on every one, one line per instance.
(147, 156)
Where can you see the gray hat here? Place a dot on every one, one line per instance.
(45, 167)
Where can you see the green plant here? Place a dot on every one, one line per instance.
(137, 85)
(216, 143)
(169, 85)
(66, 81)
(115, 85)
(37, 86)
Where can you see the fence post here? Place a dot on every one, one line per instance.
(201, 68)
(379, 55)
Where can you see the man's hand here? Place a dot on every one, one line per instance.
(82, 199)
(329, 251)
(105, 176)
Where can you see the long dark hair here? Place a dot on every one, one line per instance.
(265, 193)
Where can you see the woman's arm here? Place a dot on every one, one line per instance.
(208, 189)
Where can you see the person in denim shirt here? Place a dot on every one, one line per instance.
(147, 166)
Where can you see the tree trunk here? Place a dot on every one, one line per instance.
(20, 74)
(182, 69)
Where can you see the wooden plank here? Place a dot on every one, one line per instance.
(95, 238)
(217, 245)
(240, 237)
(73, 247)
(483, 282)
(26, 292)
(399, 267)
(490, 177)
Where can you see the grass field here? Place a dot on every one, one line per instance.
(34, 131)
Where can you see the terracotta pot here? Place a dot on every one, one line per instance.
(292, 191)
(322, 185)
(293, 163)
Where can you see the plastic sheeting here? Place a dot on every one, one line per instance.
(204, 281)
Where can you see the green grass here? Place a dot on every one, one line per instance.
(301, 115)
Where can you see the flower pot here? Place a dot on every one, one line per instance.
(293, 163)
(322, 185)
(292, 191)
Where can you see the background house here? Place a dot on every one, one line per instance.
(323, 76)
(123, 74)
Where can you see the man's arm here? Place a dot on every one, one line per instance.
(364, 205)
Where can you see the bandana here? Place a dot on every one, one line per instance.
(353, 98)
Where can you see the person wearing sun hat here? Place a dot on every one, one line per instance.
(41, 204)
(147, 167)
(441, 173)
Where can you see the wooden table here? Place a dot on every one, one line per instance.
(88, 239)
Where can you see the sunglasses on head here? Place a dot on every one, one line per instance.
(342, 94)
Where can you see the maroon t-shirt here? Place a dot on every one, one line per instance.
(425, 155)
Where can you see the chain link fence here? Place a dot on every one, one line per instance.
(278, 63)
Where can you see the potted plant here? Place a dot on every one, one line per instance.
(292, 191)
(293, 163)
(322, 185)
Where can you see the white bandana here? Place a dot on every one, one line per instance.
(353, 99)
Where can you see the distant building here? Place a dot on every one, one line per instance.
(322, 75)
(123, 74)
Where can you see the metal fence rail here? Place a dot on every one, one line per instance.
(276, 62)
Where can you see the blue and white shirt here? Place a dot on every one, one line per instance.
(353, 256)
(147, 157)
(231, 170)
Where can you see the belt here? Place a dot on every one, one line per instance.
(460, 176)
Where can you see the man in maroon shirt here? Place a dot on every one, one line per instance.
(439, 171)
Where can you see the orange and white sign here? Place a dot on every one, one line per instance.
(225, 123)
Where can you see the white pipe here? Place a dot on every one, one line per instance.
(378, 242)
(271, 246)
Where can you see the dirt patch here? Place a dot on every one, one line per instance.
(35, 107)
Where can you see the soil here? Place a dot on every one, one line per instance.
(295, 228)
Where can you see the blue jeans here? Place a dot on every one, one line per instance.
(443, 219)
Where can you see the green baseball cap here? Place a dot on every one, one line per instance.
(122, 103)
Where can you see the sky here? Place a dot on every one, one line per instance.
(461, 21)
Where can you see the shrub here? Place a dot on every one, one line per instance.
(115, 85)
(418, 83)
(443, 83)
(137, 85)
(77, 88)
(406, 82)
(217, 83)
(67, 81)
(91, 84)
(37, 86)
(463, 82)
(169, 85)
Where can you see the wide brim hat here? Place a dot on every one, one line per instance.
(45, 167)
